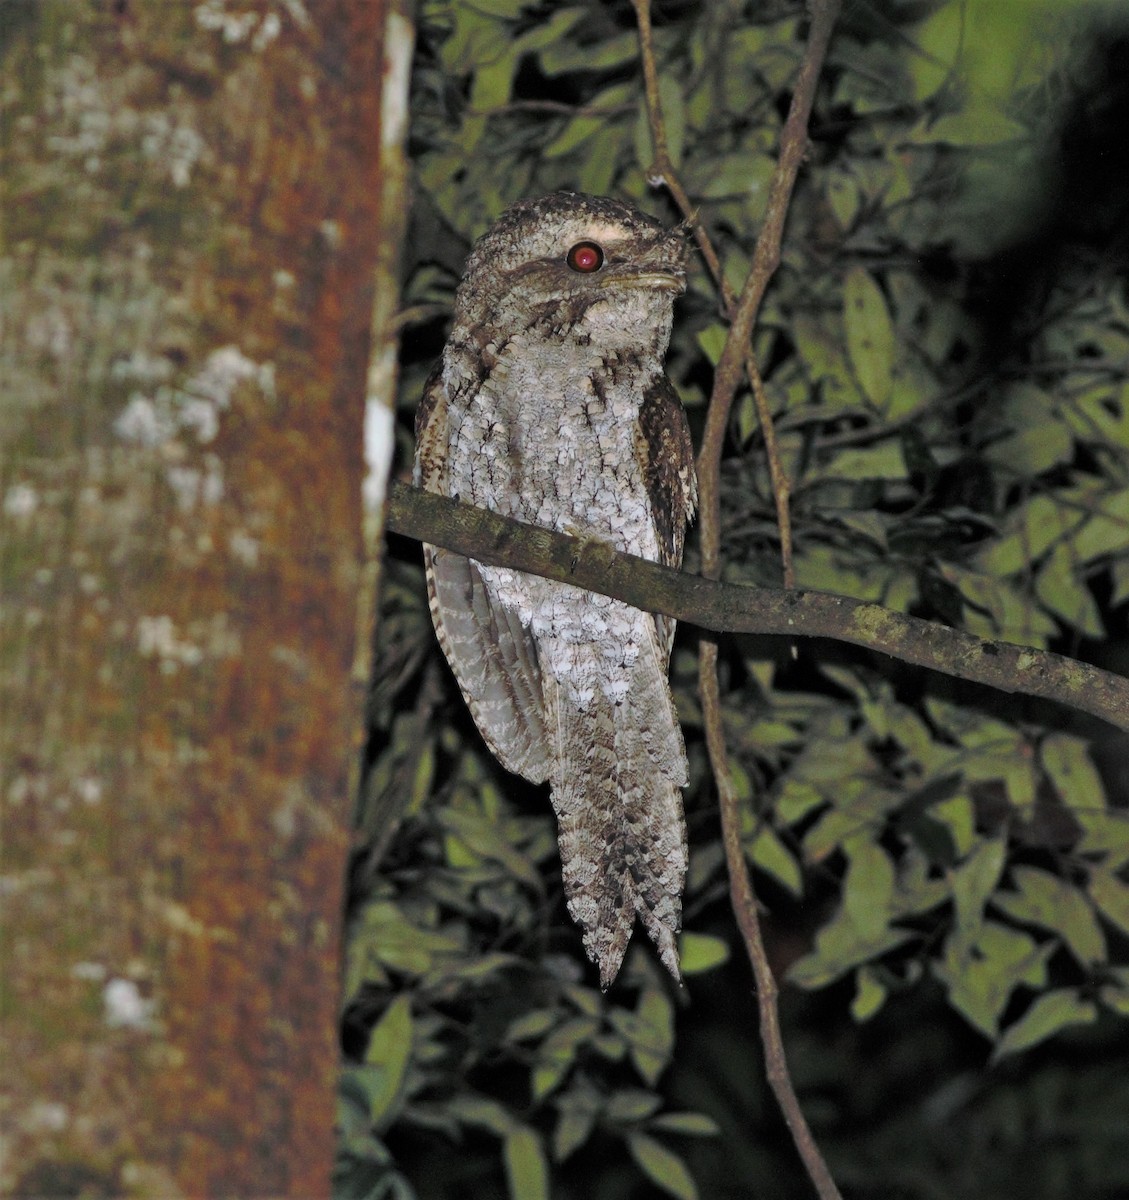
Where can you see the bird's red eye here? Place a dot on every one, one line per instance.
(585, 257)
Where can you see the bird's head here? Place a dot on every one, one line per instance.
(575, 266)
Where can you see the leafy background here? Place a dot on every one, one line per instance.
(945, 870)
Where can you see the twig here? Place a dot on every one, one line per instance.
(744, 902)
(738, 352)
(766, 258)
(663, 171)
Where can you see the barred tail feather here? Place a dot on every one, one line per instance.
(616, 791)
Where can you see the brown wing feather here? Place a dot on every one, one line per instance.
(492, 656)
(666, 456)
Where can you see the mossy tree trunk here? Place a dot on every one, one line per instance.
(193, 206)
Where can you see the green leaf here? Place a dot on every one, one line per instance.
(1112, 897)
(662, 1166)
(674, 119)
(958, 815)
(527, 1172)
(1115, 999)
(469, 1109)
(533, 1023)
(574, 1127)
(576, 131)
(1035, 527)
(629, 1106)
(501, 8)
(883, 461)
(981, 125)
(973, 881)
(692, 1124)
(868, 891)
(390, 1049)
(700, 952)
(870, 994)
(548, 33)
(576, 56)
(1044, 899)
(1106, 833)
(870, 335)
(651, 1034)
(398, 943)
(771, 855)
(491, 86)
(1067, 761)
(822, 354)
(1106, 532)
(997, 609)
(1046, 1016)
(980, 975)
(1061, 587)
(558, 1052)
(796, 800)
(738, 175)
(1037, 439)
(712, 341)
(838, 948)
(485, 838)
(844, 197)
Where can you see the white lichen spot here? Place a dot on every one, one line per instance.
(93, 972)
(20, 500)
(124, 1007)
(20, 790)
(244, 548)
(50, 333)
(145, 422)
(47, 1116)
(233, 27)
(296, 10)
(193, 486)
(269, 28)
(89, 789)
(142, 367)
(157, 420)
(201, 417)
(224, 370)
(237, 25)
(173, 144)
(157, 638)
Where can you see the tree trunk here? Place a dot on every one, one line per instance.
(194, 209)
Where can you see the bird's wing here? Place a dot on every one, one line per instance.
(492, 655)
(666, 456)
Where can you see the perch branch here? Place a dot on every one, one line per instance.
(744, 608)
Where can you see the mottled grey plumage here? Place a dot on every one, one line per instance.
(550, 405)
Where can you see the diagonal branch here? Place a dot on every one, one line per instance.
(739, 343)
(743, 608)
(766, 258)
(663, 171)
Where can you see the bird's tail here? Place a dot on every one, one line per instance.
(619, 770)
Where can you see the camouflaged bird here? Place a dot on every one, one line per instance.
(550, 405)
